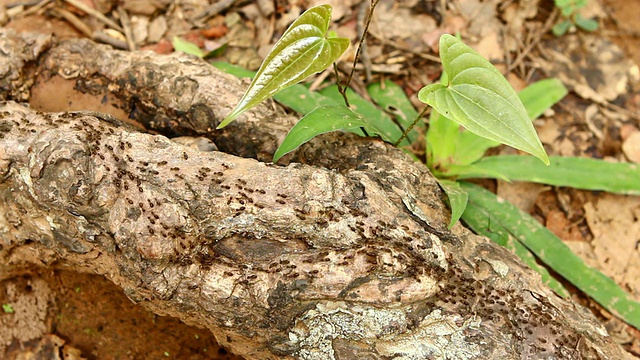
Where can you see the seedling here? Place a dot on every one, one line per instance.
(8, 308)
(570, 16)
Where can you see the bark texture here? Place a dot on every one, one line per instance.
(341, 254)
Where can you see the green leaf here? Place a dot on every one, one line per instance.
(458, 148)
(484, 222)
(441, 141)
(579, 173)
(481, 99)
(301, 51)
(542, 95)
(186, 47)
(388, 130)
(8, 308)
(322, 120)
(234, 70)
(554, 253)
(460, 172)
(586, 24)
(296, 97)
(391, 97)
(561, 28)
(457, 199)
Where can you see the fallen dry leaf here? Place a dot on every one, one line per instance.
(615, 223)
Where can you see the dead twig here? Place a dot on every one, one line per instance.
(126, 25)
(73, 20)
(95, 13)
(536, 39)
(36, 6)
(214, 9)
(103, 37)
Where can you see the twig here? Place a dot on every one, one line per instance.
(37, 6)
(126, 25)
(214, 9)
(339, 84)
(102, 37)
(95, 13)
(547, 26)
(73, 20)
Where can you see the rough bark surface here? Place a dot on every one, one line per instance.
(346, 256)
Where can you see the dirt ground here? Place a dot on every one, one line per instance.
(71, 315)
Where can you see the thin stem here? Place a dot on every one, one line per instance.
(341, 89)
(362, 38)
(414, 123)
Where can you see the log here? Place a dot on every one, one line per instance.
(340, 252)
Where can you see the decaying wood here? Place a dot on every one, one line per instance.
(344, 257)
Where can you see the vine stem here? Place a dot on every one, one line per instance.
(374, 3)
(342, 89)
(414, 123)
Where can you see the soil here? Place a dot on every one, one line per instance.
(62, 314)
(92, 318)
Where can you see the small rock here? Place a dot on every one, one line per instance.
(631, 147)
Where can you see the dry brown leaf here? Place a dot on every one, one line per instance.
(615, 224)
(592, 66)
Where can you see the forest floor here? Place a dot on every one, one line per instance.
(88, 317)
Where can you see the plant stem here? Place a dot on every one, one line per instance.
(341, 89)
(414, 123)
(362, 38)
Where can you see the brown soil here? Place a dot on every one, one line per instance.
(92, 315)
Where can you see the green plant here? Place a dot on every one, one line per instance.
(473, 93)
(8, 308)
(570, 16)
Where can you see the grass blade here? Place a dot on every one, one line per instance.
(541, 95)
(483, 223)
(457, 199)
(390, 97)
(389, 131)
(580, 173)
(555, 254)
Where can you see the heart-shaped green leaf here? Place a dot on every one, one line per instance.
(323, 120)
(301, 51)
(479, 98)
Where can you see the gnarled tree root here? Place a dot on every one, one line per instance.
(344, 257)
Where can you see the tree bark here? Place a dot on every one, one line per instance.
(343, 253)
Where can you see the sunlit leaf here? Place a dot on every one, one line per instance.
(481, 99)
(322, 120)
(301, 51)
(186, 47)
(441, 141)
(457, 199)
